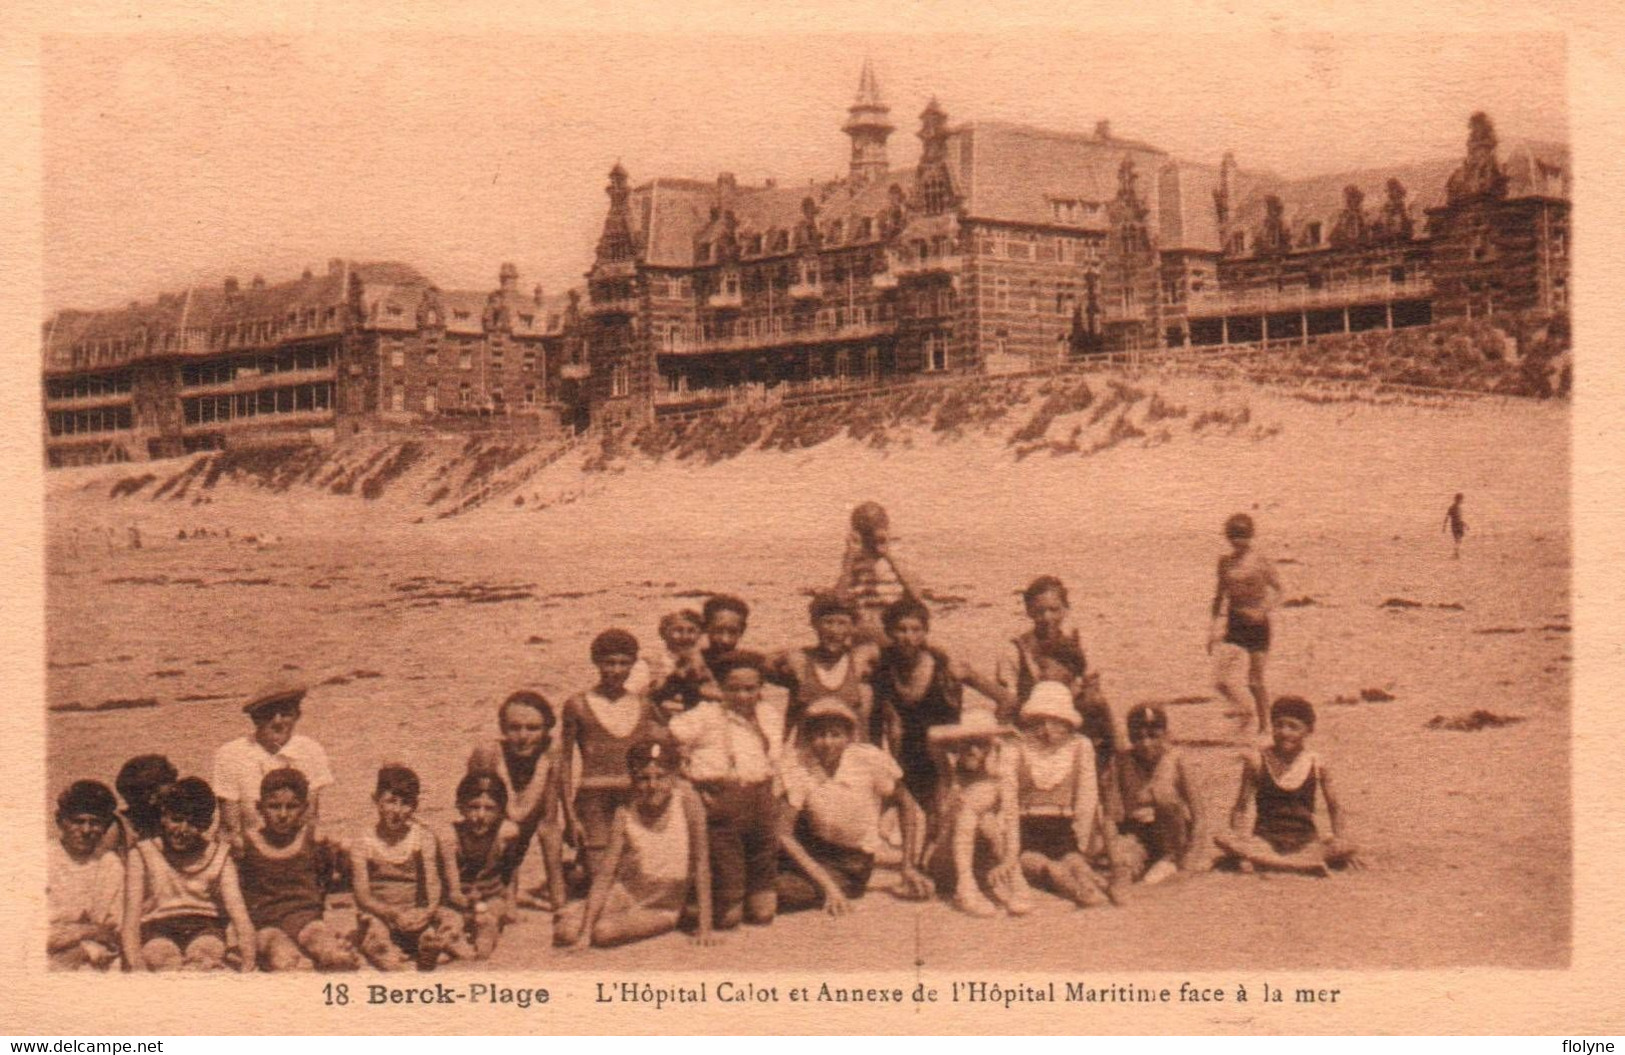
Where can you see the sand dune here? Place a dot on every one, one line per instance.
(412, 632)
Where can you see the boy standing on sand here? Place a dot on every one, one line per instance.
(1248, 590)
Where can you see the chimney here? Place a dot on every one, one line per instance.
(726, 182)
(771, 183)
(1103, 129)
(258, 282)
(231, 283)
(537, 294)
(335, 266)
(509, 277)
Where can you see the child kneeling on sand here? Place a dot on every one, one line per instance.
(977, 836)
(396, 866)
(84, 885)
(1279, 782)
(181, 888)
(829, 829)
(283, 872)
(1058, 793)
(658, 855)
(478, 860)
(1152, 811)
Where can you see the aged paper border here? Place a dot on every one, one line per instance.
(1584, 999)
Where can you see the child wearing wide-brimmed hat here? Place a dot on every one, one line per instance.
(1057, 789)
(977, 836)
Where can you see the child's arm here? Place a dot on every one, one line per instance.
(231, 894)
(452, 889)
(699, 863)
(1004, 700)
(835, 902)
(434, 880)
(855, 555)
(780, 670)
(362, 884)
(231, 825)
(1339, 846)
(569, 731)
(1085, 794)
(1244, 796)
(1272, 584)
(1215, 632)
(135, 894)
(602, 882)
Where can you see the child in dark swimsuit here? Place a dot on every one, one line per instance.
(917, 687)
(478, 860)
(1050, 651)
(1280, 782)
(835, 667)
(283, 873)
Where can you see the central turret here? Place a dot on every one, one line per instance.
(868, 126)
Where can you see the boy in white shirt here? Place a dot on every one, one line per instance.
(240, 765)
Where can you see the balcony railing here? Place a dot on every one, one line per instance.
(616, 269)
(727, 299)
(250, 381)
(805, 290)
(575, 371)
(777, 337)
(1265, 301)
(946, 265)
(883, 280)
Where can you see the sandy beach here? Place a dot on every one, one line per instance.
(410, 634)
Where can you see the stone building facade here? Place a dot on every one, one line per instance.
(358, 347)
(1006, 247)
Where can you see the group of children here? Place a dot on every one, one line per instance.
(684, 807)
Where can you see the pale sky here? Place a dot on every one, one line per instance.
(173, 160)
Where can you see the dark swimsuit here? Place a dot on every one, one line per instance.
(939, 706)
(1254, 637)
(1286, 819)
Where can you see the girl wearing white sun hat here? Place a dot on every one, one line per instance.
(1058, 795)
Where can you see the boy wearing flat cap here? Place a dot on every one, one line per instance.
(1150, 805)
(240, 765)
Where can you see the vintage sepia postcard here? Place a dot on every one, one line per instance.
(974, 521)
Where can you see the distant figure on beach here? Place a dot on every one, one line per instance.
(1458, 527)
(1247, 591)
(135, 537)
(868, 546)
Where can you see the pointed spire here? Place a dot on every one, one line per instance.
(868, 89)
(868, 127)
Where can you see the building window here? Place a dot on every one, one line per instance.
(465, 359)
(496, 397)
(431, 354)
(620, 381)
(1396, 273)
(1311, 234)
(397, 355)
(465, 394)
(528, 362)
(1001, 294)
(530, 395)
(397, 398)
(430, 401)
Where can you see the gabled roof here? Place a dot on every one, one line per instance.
(1015, 173)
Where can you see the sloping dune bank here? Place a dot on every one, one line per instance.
(411, 632)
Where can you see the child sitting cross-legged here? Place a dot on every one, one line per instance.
(396, 868)
(1280, 783)
(181, 888)
(658, 856)
(283, 872)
